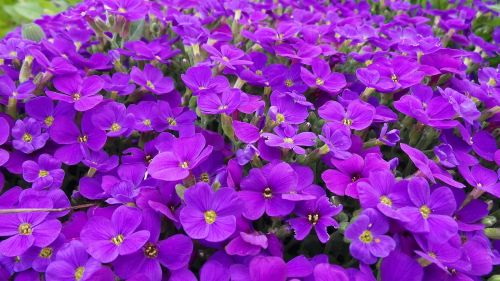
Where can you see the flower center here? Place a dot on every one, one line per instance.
(48, 121)
(25, 229)
(386, 200)
(83, 138)
(479, 185)
(184, 165)
(150, 250)
(368, 62)
(13, 53)
(224, 58)
(79, 273)
(146, 122)
(355, 178)
(150, 84)
(432, 255)
(289, 83)
(288, 140)
(313, 218)
(347, 121)
(425, 211)
(46, 252)
(76, 97)
(122, 10)
(366, 236)
(115, 127)
(118, 239)
(27, 137)
(280, 118)
(394, 78)
(43, 173)
(492, 82)
(319, 81)
(205, 177)
(171, 121)
(267, 193)
(258, 72)
(222, 107)
(210, 216)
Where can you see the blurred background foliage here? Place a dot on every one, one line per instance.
(16, 12)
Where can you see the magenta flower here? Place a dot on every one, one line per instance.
(223, 103)
(118, 84)
(287, 137)
(82, 93)
(47, 173)
(113, 118)
(210, 215)
(25, 230)
(481, 178)
(317, 214)
(177, 164)
(132, 10)
(28, 135)
(338, 140)
(322, 77)
(43, 110)
(429, 213)
(262, 190)
(199, 80)
(228, 56)
(9, 89)
(357, 116)
(106, 239)
(152, 79)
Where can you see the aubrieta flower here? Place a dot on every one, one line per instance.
(323, 78)
(83, 93)
(481, 178)
(25, 230)
(43, 110)
(429, 212)
(118, 84)
(262, 190)
(337, 139)
(113, 118)
(317, 214)
(177, 164)
(357, 116)
(130, 9)
(210, 215)
(28, 135)
(199, 80)
(228, 56)
(368, 241)
(223, 103)
(9, 89)
(286, 136)
(46, 173)
(152, 79)
(72, 263)
(106, 239)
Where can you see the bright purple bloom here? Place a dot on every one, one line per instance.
(113, 118)
(210, 215)
(47, 173)
(399, 266)
(9, 89)
(82, 93)
(337, 139)
(132, 10)
(43, 110)
(179, 119)
(185, 155)
(144, 115)
(72, 263)
(322, 77)
(285, 79)
(199, 79)
(228, 56)
(152, 79)
(287, 137)
(390, 138)
(368, 241)
(28, 229)
(28, 135)
(429, 213)
(118, 84)
(262, 190)
(106, 239)
(481, 178)
(285, 110)
(222, 103)
(357, 116)
(315, 213)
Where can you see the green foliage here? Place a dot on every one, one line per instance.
(16, 12)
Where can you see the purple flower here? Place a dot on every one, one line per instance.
(144, 115)
(262, 189)
(228, 56)
(210, 215)
(314, 213)
(390, 138)
(199, 80)
(106, 239)
(118, 84)
(47, 173)
(132, 10)
(43, 110)
(287, 137)
(28, 229)
(481, 178)
(82, 93)
(399, 266)
(223, 103)
(383, 193)
(28, 135)
(74, 142)
(285, 110)
(337, 139)
(152, 79)
(176, 164)
(9, 89)
(113, 118)
(357, 116)
(72, 263)
(173, 118)
(429, 213)
(368, 241)
(322, 77)
(287, 80)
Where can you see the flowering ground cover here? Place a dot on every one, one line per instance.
(242, 140)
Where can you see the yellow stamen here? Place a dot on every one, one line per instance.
(25, 229)
(43, 173)
(319, 81)
(280, 118)
(268, 194)
(184, 165)
(386, 200)
(79, 273)
(46, 252)
(27, 137)
(366, 236)
(425, 211)
(48, 121)
(150, 250)
(118, 239)
(347, 121)
(313, 218)
(210, 216)
(115, 127)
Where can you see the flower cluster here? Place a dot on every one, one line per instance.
(251, 141)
